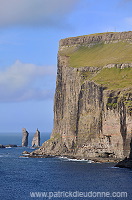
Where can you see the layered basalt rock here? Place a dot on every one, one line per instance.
(91, 119)
(96, 38)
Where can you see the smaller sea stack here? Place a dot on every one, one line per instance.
(24, 137)
(36, 139)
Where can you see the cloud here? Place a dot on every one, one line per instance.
(124, 3)
(22, 82)
(34, 12)
(127, 1)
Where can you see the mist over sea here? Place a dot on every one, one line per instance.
(57, 178)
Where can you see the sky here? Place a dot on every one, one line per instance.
(30, 31)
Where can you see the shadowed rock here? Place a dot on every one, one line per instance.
(130, 156)
(11, 145)
(127, 162)
(2, 146)
(24, 137)
(25, 153)
(36, 139)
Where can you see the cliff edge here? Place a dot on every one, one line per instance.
(93, 98)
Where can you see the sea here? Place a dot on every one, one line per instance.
(59, 178)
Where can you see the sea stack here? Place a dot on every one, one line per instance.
(24, 137)
(36, 139)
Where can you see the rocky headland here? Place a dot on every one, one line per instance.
(93, 99)
(8, 146)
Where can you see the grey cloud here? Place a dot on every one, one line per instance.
(126, 1)
(26, 95)
(35, 94)
(23, 82)
(34, 12)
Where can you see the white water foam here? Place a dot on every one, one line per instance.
(4, 155)
(75, 160)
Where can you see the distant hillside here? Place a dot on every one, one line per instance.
(99, 54)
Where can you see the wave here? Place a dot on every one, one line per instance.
(4, 155)
(114, 167)
(75, 160)
(23, 157)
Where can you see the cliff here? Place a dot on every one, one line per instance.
(93, 98)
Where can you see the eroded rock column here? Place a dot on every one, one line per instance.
(36, 139)
(24, 137)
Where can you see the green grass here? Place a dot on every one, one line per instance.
(112, 105)
(128, 104)
(56, 136)
(114, 78)
(99, 55)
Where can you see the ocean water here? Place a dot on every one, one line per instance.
(59, 178)
(16, 138)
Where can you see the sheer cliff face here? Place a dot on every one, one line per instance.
(92, 110)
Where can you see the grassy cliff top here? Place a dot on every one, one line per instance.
(99, 54)
(114, 78)
(98, 49)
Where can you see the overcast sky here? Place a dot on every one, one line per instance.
(30, 31)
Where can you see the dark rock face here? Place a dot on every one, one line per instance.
(127, 162)
(11, 145)
(36, 139)
(24, 137)
(130, 156)
(2, 146)
(89, 121)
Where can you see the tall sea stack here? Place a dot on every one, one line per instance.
(93, 98)
(36, 139)
(24, 137)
